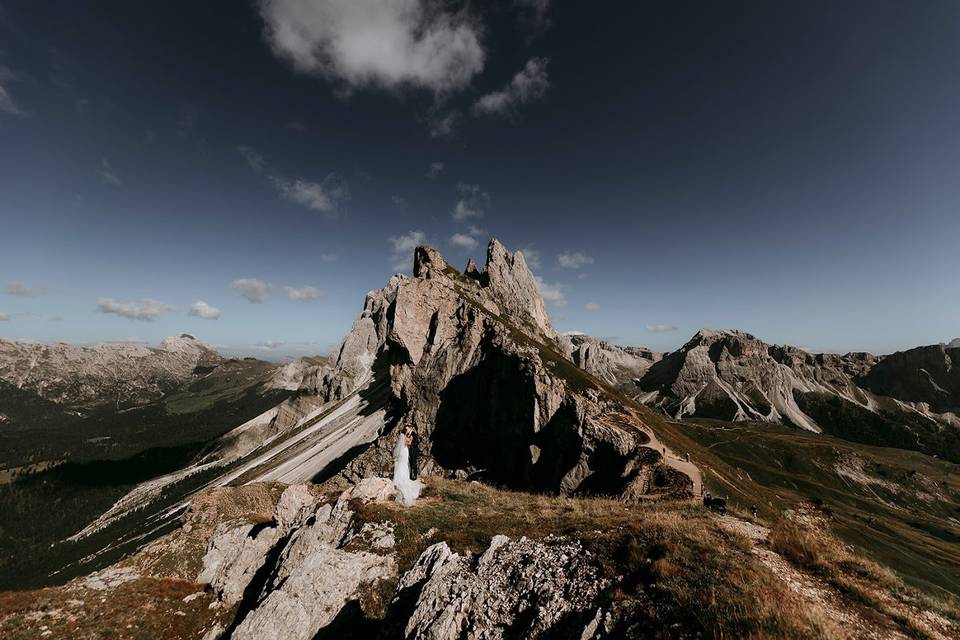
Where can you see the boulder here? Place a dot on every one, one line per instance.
(517, 588)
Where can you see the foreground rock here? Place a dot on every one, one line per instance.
(516, 588)
(291, 576)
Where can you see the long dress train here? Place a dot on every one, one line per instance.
(407, 490)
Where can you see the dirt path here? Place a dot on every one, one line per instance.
(674, 461)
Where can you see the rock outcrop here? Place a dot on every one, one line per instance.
(291, 576)
(516, 588)
(928, 375)
(474, 365)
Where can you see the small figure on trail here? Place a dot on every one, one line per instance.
(688, 456)
(753, 510)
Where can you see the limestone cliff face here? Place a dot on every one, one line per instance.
(907, 400)
(930, 375)
(731, 375)
(473, 364)
(616, 365)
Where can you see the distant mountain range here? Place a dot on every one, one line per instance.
(909, 399)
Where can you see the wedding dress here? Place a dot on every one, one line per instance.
(407, 490)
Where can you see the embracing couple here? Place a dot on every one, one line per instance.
(405, 466)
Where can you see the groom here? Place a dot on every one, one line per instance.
(414, 451)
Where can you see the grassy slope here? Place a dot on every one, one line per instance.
(774, 469)
(43, 508)
(678, 568)
(672, 567)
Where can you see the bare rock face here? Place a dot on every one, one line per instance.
(473, 364)
(731, 375)
(620, 366)
(907, 400)
(116, 373)
(926, 374)
(516, 588)
(292, 575)
(234, 557)
(516, 288)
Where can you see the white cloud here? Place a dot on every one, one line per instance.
(328, 257)
(592, 306)
(403, 247)
(20, 289)
(269, 345)
(203, 310)
(528, 85)
(552, 293)
(326, 196)
(397, 201)
(4, 316)
(658, 328)
(252, 289)
(108, 173)
(254, 159)
(573, 260)
(443, 125)
(7, 104)
(374, 43)
(147, 309)
(436, 168)
(463, 241)
(302, 293)
(472, 203)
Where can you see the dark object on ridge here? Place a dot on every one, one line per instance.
(715, 503)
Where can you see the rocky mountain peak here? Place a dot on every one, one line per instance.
(516, 287)
(954, 344)
(428, 262)
(505, 280)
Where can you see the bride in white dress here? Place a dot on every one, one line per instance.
(407, 490)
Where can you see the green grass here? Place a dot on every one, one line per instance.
(776, 468)
(677, 565)
(864, 582)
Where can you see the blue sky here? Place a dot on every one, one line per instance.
(789, 170)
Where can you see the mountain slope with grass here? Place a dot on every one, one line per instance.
(271, 560)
